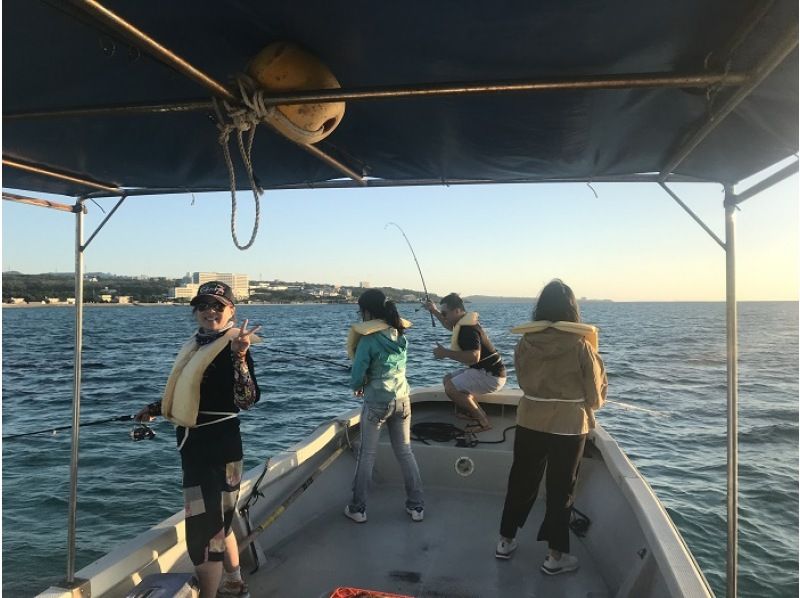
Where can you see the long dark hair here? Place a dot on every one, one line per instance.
(376, 303)
(557, 303)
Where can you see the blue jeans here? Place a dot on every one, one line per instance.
(397, 416)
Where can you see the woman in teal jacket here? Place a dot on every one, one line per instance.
(378, 376)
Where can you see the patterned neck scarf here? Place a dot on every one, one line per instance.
(203, 338)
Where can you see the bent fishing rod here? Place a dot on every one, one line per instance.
(416, 261)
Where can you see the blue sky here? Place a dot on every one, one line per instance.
(631, 243)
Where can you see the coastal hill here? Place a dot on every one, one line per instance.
(486, 298)
(530, 300)
(102, 287)
(98, 286)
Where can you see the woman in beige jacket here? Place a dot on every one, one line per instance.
(564, 382)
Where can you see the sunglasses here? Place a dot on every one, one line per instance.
(215, 305)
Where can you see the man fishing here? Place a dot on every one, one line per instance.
(470, 345)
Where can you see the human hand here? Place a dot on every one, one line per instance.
(430, 306)
(439, 352)
(144, 415)
(241, 343)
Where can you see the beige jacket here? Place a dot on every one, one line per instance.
(559, 365)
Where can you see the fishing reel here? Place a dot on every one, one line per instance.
(142, 432)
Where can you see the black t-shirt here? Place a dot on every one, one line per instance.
(217, 443)
(474, 337)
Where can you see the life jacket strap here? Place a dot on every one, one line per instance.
(226, 415)
(547, 400)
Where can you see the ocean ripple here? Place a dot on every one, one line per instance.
(666, 358)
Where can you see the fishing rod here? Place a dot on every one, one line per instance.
(336, 363)
(119, 418)
(416, 261)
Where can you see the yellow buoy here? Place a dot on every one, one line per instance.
(284, 67)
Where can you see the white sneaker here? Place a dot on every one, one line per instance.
(417, 513)
(357, 516)
(566, 563)
(504, 548)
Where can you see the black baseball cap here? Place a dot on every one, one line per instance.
(214, 290)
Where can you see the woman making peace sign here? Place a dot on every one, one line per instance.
(212, 379)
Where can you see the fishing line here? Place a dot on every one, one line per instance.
(629, 407)
(625, 406)
(416, 261)
(119, 418)
(336, 363)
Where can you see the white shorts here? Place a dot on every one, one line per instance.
(477, 382)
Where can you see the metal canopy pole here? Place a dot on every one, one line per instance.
(171, 59)
(732, 393)
(70, 582)
(41, 203)
(775, 57)
(321, 96)
(768, 182)
(103, 223)
(76, 395)
(376, 182)
(114, 190)
(692, 214)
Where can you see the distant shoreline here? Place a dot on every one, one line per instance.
(104, 305)
(36, 305)
(128, 305)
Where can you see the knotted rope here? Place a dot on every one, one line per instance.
(242, 119)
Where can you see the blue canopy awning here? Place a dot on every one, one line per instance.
(56, 56)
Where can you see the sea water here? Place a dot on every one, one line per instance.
(666, 369)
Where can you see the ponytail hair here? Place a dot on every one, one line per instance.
(375, 302)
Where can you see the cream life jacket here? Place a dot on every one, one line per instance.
(589, 332)
(468, 319)
(366, 328)
(180, 403)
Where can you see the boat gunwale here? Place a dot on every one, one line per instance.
(162, 544)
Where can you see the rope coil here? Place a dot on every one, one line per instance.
(242, 119)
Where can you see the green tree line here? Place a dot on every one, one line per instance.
(36, 287)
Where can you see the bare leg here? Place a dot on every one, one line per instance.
(231, 553)
(209, 574)
(467, 402)
(459, 412)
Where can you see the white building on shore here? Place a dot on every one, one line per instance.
(239, 283)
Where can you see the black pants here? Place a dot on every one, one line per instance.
(533, 452)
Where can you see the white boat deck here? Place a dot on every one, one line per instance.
(631, 549)
(450, 554)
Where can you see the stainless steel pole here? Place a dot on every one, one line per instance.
(76, 395)
(733, 392)
(150, 45)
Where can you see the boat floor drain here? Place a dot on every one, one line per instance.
(464, 466)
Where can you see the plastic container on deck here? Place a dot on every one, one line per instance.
(166, 585)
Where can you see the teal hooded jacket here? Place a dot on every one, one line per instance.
(379, 367)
